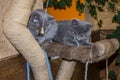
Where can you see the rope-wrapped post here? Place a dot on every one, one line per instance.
(38, 4)
(14, 27)
(101, 50)
(104, 49)
(66, 70)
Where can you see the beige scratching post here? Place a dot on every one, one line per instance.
(14, 27)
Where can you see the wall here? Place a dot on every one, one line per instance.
(67, 14)
(105, 16)
(70, 13)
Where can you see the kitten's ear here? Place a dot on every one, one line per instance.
(89, 26)
(74, 22)
(51, 18)
(35, 17)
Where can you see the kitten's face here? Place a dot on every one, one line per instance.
(80, 30)
(35, 21)
(37, 18)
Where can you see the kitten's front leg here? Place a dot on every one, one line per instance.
(40, 39)
(87, 43)
(77, 43)
(70, 42)
(91, 44)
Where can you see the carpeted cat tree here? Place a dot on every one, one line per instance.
(14, 27)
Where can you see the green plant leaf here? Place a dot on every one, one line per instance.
(118, 60)
(62, 4)
(119, 51)
(112, 75)
(68, 3)
(116, 18)
(80, 6)
(101, 2)
(115, 34)
(100, 8)
(111, 6)
(55, 4)
(92, 10)
(115, 1)
(100, 23)
(89, 1)
(117, 30)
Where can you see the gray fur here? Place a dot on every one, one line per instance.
(35, 24)
(70, 32)
(74, 32)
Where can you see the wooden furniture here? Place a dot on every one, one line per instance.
(13, 68)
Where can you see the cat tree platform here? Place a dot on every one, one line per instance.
(101, 50)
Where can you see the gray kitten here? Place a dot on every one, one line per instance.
(74, 32)
(35, 25)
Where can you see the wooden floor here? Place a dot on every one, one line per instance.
(13, 69)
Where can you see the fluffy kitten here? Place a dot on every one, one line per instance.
(70, 32)
(73, 32)
(35, 25)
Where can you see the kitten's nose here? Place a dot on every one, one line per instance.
(37, 28)
(79, 38)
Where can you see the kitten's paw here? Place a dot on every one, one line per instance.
(90, 44)
(70, 44)
(40, 39)
(50, 41)
(54, 58)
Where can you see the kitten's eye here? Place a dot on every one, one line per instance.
(75, 33)
(81, 35)
(35, 18)
(74, 22)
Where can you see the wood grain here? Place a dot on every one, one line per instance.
(13, 69)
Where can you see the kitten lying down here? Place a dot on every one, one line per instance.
(70, 32)
(73, 32)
